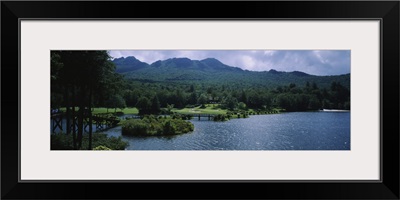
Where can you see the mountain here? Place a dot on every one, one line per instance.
(212, 63)
(213, 71)
(209, 64)
(128, 64)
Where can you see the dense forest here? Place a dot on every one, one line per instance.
(183, 82)
(292, 97)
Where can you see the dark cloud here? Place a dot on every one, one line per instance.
(317, 62)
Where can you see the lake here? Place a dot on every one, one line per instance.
(286, 131)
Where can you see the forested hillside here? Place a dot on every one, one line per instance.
(182, 82)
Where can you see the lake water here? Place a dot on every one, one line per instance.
(287, 131)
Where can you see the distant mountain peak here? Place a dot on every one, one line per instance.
(127, 64)
(298, 73)
(273, 71)
(218, 65)
(131, 57)
(213, 61)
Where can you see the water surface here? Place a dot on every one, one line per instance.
(286, 131)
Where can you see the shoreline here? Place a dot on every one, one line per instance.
(333, 110)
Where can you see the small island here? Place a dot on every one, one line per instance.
(152, 125)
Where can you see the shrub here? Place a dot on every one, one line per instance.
(221, 117)
(181, 116)
(182, 126)
(134, 127)
(62, 141)
(169, 128)
(151, 125)
(114, 143)
(119, 113)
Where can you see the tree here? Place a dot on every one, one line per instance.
(209, 90)
(143, 105)
(163, 97)
(179, 98)
(255, 100)
(131, 97)
(314, 103)
(243, 97)
(267, 100)
(302, 102)
(155, 105)
(202, 99)
(230, 102)
(80, 76)
(191, 89)
(56, 65)
(279, 89)
(193, 98)
(314, 86)
(116, 102)
(169, 108)
(339, 95)
(242, 106)
(285, 101)
(214, 96)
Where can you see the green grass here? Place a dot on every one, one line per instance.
(110, 110)
(210, 109)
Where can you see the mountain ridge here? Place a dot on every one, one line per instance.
(213, 70)
(117, 61)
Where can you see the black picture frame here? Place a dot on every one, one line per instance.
(386, 11)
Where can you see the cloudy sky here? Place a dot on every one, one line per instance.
(321, 62)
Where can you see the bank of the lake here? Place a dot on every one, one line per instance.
(285, 131)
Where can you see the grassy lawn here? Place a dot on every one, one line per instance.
(131, 111)
(110, 110)
(210, 109)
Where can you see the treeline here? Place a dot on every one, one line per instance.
(151, 97)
